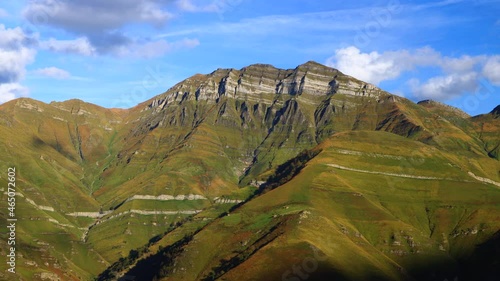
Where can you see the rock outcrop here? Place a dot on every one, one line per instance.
(253, 83)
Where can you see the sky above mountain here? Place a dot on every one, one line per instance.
(117, 53)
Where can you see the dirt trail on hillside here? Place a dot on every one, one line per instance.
(387, 174)
(485, 180)
(481, 179)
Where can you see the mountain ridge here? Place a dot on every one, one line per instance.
(127, 187)
(307, 65)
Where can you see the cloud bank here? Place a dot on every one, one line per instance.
(15, 53)
(100, 27)
(458, 75)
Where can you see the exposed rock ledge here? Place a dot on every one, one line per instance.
(218, 200)
(45, 208)
(165, 197)
(485, 180)
(257, 81)
(93, 215)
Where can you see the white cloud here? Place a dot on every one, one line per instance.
(491, 70)
(95, 16)
(13, 63)
(368, 67)
(53, 72)
(79, 46)
(10, 91)
(137, 49)
(376, 67)
(98, 24)
(445, 87)
(15, 54)
(459, 65)
(459, 75)
(14, 38)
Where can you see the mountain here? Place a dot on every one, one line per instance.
(496, 112)
(488, 126)
(257, 174)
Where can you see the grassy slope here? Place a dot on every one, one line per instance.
(201, 150)
(487, 127)
(368, 226)
(46, 144)
(97, 157)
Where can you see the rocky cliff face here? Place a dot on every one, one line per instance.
(254, 82)
(292, 108)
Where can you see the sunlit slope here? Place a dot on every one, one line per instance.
(388, 210)
(108, 181)
(55, 149)
(487, 127)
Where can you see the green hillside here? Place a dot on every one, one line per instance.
(256, 174)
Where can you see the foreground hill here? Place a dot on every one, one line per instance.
(210, 180)
(395, 209)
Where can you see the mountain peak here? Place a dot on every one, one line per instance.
(315, 66)
(69, 102)
(261, 81)
(313, 63)
(496, 111)
(441, 108)
(260, 65)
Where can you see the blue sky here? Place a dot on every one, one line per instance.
(118, 53)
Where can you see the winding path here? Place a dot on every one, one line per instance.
(481, 179)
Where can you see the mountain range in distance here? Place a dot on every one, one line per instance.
(253, 174)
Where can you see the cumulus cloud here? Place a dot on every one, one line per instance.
(80, 46)
(365, 66)
(445, 87)
(459, 65)
(376, 67)
(53, 72)
(491, 70)
(15, 38)
(15, 54)
(13, 62)
(459, 75)
(10, 91)
(99, 25)
(95, 16)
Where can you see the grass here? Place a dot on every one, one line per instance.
(366, 226)
(361, 221)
